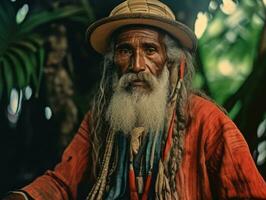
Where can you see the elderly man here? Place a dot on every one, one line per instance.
(148, 134)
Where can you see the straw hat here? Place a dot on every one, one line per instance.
(139, 12)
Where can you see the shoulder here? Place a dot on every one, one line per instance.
(203, 109)
(211, 125)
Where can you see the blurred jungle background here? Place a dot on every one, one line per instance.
(48, 72)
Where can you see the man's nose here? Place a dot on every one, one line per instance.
(138, 62)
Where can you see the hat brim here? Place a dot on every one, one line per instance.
(99, 33)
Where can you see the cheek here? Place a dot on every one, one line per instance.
(122, 63)
(156, 65)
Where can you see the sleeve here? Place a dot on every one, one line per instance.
(62, 183)
(232, 171)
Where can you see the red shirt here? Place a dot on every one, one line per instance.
(216, 164)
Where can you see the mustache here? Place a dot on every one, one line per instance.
(126, 79)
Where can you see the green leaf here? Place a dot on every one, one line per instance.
(8, 76)
(27, 45)
(17, 70)
(43, 17)
(35, 39)
(41, 55)
(33, 60)
(25, 61)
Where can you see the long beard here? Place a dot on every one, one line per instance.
(138, 107)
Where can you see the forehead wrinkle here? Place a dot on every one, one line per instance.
(132, 35)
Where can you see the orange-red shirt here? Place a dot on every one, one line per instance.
(216, 164)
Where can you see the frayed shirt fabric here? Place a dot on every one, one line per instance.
(216, 164)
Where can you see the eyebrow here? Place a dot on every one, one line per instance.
(128, 45)
(153, 44)
(123, 45)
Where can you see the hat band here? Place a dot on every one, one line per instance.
(139, 6)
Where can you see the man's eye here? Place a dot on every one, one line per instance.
(124, 51)
(150, 50)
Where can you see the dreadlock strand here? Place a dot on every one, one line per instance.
(182, 90)
(98, 107)
(178, 137)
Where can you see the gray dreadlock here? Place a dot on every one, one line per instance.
(98, 107)
(174, 54)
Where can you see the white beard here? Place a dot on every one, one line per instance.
(139, 108)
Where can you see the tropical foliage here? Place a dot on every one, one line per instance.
(230, 45)
(232, 54)
(22, 47)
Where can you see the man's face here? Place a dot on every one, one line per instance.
(140, 50)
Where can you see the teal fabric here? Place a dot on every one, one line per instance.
(148, 152)
(157, 157)
(119, 188)
(120, 183)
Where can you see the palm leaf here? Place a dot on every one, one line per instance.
(21, 50)
(34, 78)
(25, 59)
(35, 39)
(27, 46)
(41, 55)
(41, 18)
(18, 70)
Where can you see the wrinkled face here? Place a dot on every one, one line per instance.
(140, 50)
